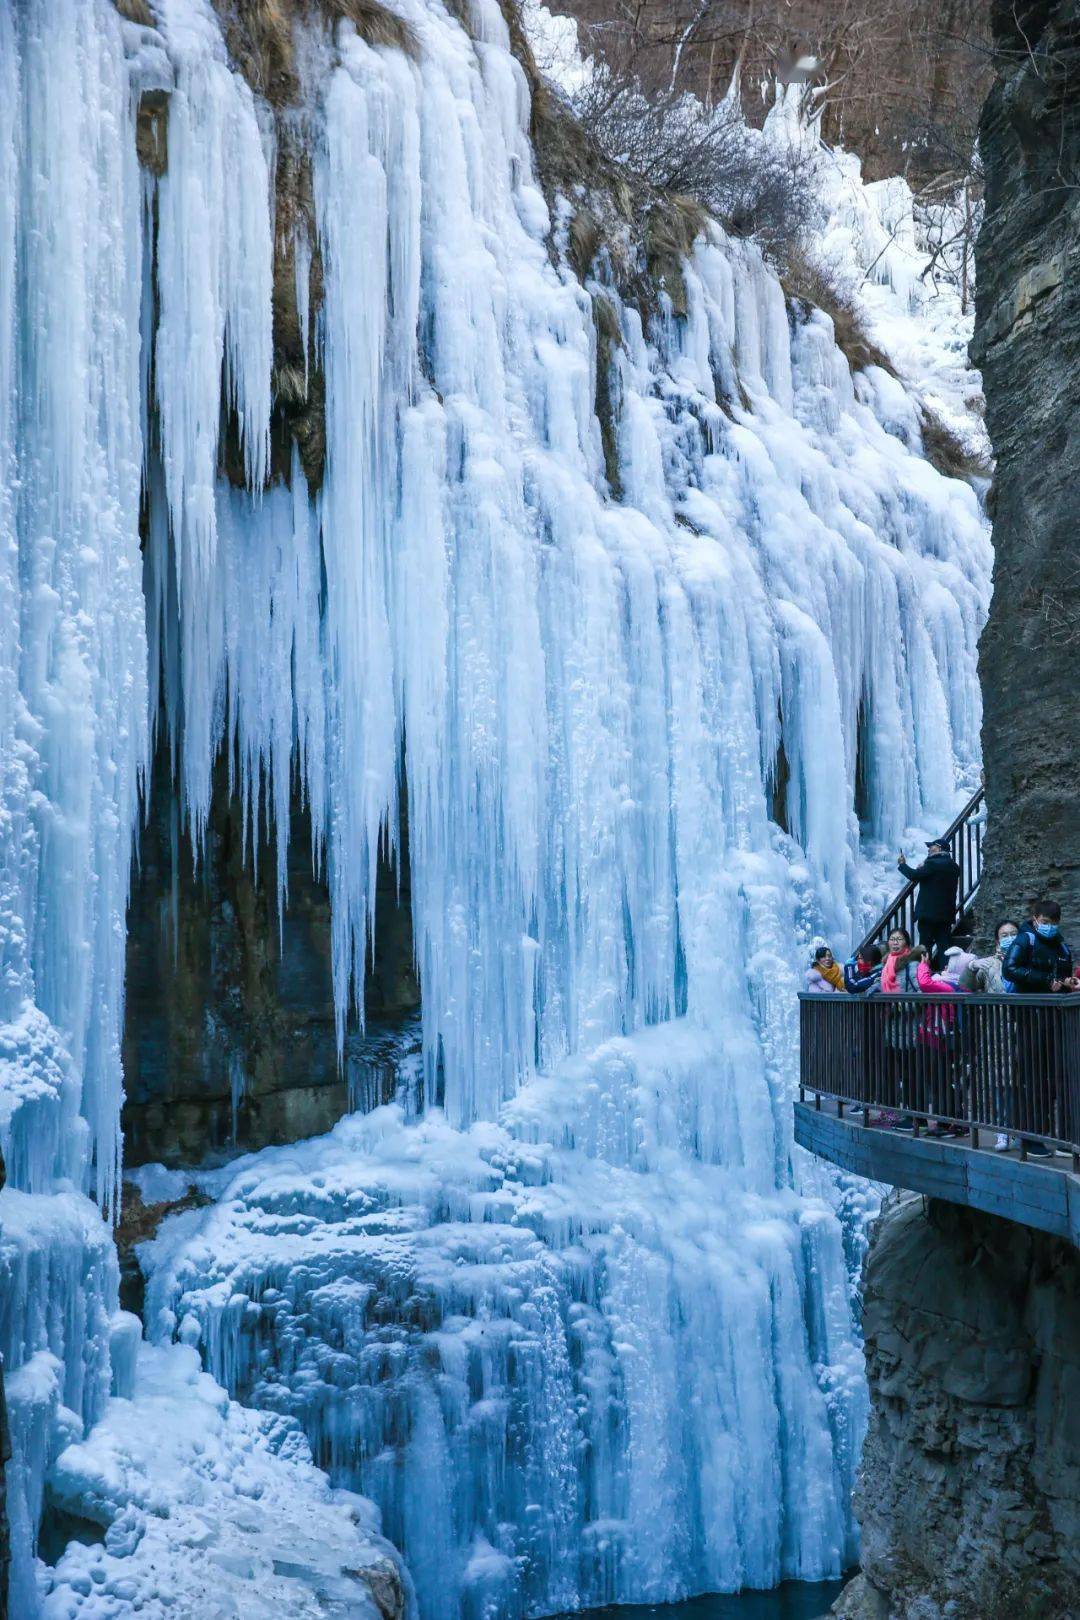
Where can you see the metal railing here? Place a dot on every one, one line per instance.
(964, 839)
(1006, 1064)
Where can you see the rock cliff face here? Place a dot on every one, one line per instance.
(970, 1488)
(969, 1493)
(229, 1027)
(1028, 345)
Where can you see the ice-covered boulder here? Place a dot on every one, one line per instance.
(190, 1505)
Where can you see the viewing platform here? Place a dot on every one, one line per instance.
(988, 1065)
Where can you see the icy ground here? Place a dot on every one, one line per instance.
(661, 685)
(192, 1506)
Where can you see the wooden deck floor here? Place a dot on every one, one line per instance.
(1041, 1193)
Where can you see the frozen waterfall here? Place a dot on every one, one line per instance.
(650, 691)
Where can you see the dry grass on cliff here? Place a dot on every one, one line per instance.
(259, 34)
(804, 276)
(643, 231)
(136, 11)
(946, 451)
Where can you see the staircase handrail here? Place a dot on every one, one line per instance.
(965, 850)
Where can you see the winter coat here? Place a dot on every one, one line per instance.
(818, 985)
(938, 878)
(910, 978)
(1032, 962)
(859, 978)
(899, 977)
(938, 1023)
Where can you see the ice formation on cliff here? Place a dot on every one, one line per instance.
(580, 1319)
(586, 1354)
(205, 1509)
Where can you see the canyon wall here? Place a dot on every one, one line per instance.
(1028, 344)
(969, 1498)
(969, 1493)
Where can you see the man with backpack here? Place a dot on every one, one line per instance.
(1038, 962)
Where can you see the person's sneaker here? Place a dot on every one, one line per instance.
(1036, 1150)
(1001, 1145)
(904, 1123)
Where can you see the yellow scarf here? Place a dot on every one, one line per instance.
(834, 974)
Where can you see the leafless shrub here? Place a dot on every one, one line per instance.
(755, 186)
(895, 75)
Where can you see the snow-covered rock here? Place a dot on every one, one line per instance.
(203, 1508)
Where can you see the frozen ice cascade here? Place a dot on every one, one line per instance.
(581, 1331)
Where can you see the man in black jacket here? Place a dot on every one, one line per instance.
(938, 879)
(1038, 961)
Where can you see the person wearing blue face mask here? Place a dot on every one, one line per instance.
(1038, 961)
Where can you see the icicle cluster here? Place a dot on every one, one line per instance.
(73, 711)
(590, 700)
(640, 696)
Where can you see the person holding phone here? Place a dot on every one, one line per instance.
(938, 881)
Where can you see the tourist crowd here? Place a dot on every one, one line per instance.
(1027, 958)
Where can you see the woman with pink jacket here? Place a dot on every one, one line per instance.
(921, 1045)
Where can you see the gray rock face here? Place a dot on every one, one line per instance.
(229, 1037)
(969, 1491)
(1027, 342)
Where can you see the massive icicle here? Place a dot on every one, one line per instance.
(74, 722)
(73, 710)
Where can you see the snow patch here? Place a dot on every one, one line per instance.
(203, 1508)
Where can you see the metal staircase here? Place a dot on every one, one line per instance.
(964, 839)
